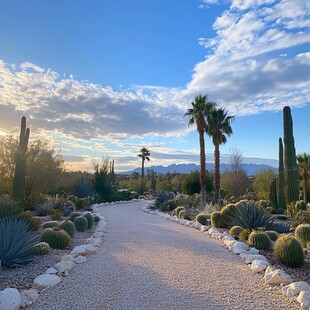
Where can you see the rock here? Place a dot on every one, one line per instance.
(226, 235)
(80, 259)
(10, 299)
(28, 297)
(45, 281)
(251, 251)
(277, 276)
(67, 258)
(204, 228)
(64, 267)
(259, 265)
(229, 243)
(304, 299)
(84, 250)
(93, 241)
(51, 270)
(238, 247)
(295, 288)
(248, 258)
(213, 230)
(216, 235)
(197, 225)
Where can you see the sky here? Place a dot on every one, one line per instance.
(104, 78)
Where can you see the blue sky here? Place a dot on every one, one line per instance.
(105, 78)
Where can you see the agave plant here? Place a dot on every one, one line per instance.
(250, 215)
(282, 227)
(16, 242)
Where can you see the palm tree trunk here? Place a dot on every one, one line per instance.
(142, 176)
(217, 180)
(202, 168)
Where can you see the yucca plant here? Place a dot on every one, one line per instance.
(250, 216)
(16, 242)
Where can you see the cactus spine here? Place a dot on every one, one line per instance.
(290, 163)
(280, 183)
(20, 162)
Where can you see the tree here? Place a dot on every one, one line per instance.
(303, 161)
(261, 183)
(145, 155)
(191, 183)
(198, 114)
(219, 127)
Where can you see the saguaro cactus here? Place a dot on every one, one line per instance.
(280, 179)
(290, 164)
(273, 195)
(20, 161)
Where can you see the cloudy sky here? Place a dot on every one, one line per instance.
(105, 78)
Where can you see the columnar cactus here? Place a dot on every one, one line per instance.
(302, 234)
(19, 179)
(280, 179)
(273, 194)
(56, 237)
(80, 223)
(290, 163)
(259, 240)
(288, 251)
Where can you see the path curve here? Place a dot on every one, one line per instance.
(146, 262)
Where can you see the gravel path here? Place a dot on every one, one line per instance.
(146, 262)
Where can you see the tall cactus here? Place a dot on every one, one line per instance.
(290, 163)
(20, 162)
(273, 195)
(280, 179)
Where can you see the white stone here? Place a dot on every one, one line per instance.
(67, 258)
(238, 247)
(197, 225)
(216, 235)
(226, 235)
(213, 230)
(80, 259)
(277, 276)
(259, 265)
(248, 258)
(251, 251)
(304, 299)
(45, 281)
(64, 267)
(51, 270)
(28, 297)
(93, 241)
(83, 250)
(10, 299)
(295, 288)
(204, 228)
(229, 243)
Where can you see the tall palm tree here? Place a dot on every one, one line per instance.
(219, 128)
(198, 115)
(303, 161)
(145, 155)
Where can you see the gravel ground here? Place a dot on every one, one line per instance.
(146, 262)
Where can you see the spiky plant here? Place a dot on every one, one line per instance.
(33, 222)
(184, 214)
(202, 218)
(80, 223)
(235, 230)
(50, 224)
(216, 219)
(16, 242)
(177, 210)
(273, 235)
(41, 248)
(302, 234)
(73, 215)
(56, 237)
(90, 219)
(259, 240)
(68, 227)
(161, 197)
(281, 227)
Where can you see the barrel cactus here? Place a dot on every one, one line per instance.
(50, 224)
(56, 237)
(41, 248)
(177, 210)
(235, 230)
(184, 215)
(80, 223)
(273, 235)
(202, 219)
(288, 251)
(302, 234)
(73, 215)
(68, 227)
(90, 219)
(300, 205)
(216, 219)
(259, 240)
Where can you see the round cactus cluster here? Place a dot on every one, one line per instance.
(273, 235)
(259, 240)
(216, 219)
(41, 248)
(68, 227)
(56, 237)
(80, 223)
(177, 210)
(288, 251)
(235, 230)
(90, 219)
(73, 215)
(50, 224)
(226, 211)
(302, 234)
(202, 219)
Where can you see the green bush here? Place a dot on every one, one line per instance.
(302, 234)
(41, 248)
(202, 218)
(68, 227)
(168, 205)
(16, 242)
(235, 230)
(90, 219)
(161, 197)
(50, 224)
(80, 223)
(177, 210)
(8, 208)
(216, 219)
(259, 240)
(56, 237)
(288, 251)
(273, 235)
(82, 203)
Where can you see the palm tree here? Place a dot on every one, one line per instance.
(219, 127)
(145, 155)
(198, 114)
(303, 161)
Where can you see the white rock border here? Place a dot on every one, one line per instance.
(258, 263)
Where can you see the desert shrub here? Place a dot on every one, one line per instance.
(177, 210)
(263, 204)
(68, 227)
(80, 223)
(90, 219)
(8, 208)
(168, 205)
(55, 214)
(302, 234)
(16, 242)
(301, 217)
(56, 237)
(82, 203)
(202, 218)
(161, 197)
(259, 240)
(273, 235)
(32, 222)
(288, 251)
(281, 227)
(235, 230)
(65, 205)
(41, 248)
(42, 206)
(82, 189)
(216, 219)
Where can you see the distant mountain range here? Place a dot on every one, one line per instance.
(251, 169)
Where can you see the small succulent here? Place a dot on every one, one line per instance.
(41, 248)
